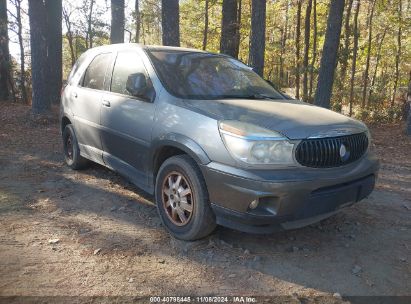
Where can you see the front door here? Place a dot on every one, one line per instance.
(127, 121)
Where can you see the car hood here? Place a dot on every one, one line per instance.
(292, 118)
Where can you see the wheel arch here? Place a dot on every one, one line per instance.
(64, 122)
(175, 144)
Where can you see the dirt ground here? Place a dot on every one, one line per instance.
(91, 233)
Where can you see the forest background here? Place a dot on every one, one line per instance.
(367, 52)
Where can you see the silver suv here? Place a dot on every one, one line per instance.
(212, 140)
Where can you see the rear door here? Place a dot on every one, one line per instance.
(127, 121)
(87, 98)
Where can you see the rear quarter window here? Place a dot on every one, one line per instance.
(75, 69)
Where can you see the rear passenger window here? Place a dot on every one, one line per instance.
(94, 77)
(127, 63)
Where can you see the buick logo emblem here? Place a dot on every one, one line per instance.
(343, 151)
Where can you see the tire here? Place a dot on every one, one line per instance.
(72, 151)
(200, 222)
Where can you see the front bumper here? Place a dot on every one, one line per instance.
(288, 198)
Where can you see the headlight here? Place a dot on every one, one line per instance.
(255, 145)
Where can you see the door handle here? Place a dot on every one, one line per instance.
(106, 103)
(74, 94)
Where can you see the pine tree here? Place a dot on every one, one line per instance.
(4, 52)
(39, 65)
(306, 48)
(257, 46)
(354, 57)
(170, 20)
(117, 21)
(329, 57)
(55, 49)
(137, 18)
(297, 50)
(229, 28)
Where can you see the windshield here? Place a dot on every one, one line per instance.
(193, 75)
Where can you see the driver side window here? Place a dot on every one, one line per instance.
(127, 63)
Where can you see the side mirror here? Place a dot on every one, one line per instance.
(137, 85)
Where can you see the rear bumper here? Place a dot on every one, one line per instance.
(288, 198)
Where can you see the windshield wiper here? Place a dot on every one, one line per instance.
(262, 96)
(251, 96)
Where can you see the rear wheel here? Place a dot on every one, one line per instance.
(71, 149)
(182, 199)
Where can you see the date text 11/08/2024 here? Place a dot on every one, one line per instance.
(216, 299)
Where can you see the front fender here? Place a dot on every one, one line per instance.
(182, 142)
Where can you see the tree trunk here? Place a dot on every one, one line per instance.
(39, 70)
(249, 32)
(257, 47)
(408, 111)
(354, 57)
(90, 34)
(89, 19)
(367, 65)
(307, 31)
(117, 21)
(284, 36)
(297, 50)
(76, 43)
(345, 52)
(22, 59)
(237, 32)
(170, 20)
(4, 53)
(205, 25)
(314, 58)
(55, 49)
(329, 55)
(142, 28)
(229, 28)
(69, 36)
(398, 55)
(376, 64)
(137, 20)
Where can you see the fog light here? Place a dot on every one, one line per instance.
(253, 204)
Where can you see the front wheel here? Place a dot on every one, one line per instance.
(182, 199)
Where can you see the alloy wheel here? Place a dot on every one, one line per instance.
(177, 198)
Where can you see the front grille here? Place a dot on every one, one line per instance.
(329, 152)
